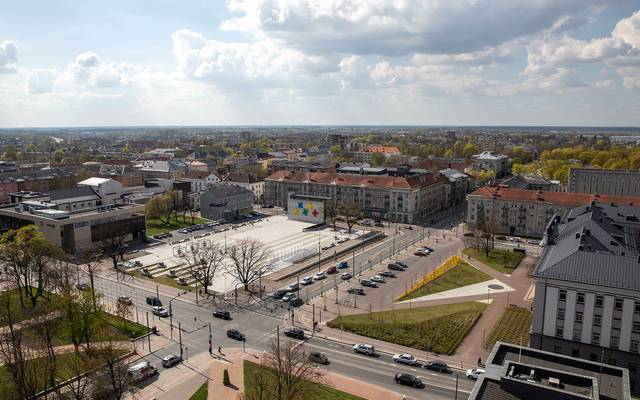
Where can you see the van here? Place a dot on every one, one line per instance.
(141, 371)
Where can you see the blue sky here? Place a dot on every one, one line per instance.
(459, 62)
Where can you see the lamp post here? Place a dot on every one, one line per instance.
(171, 311)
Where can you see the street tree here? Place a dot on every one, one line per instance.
(114, 382)
(113, 243)
(204, 262)
(331, 213)
(351, 214)
(249, 260)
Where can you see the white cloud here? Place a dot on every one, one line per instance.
(41, 81)
(89, 71)
(8, 57)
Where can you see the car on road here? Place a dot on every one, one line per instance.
(307, 280)
(296, 302)
(402, 264)
(289, 296)
(388, 274)
(368, 283)
(409, 227)
(427, 248)
(126, 300)
(342, 265)
(363, 348)
(421, 253)
(319, 276)
(406, 359)
(294, 287)
(409, 380)
(345, 275)
(171, 360)
(82, 287)
(332, 270)
(343, 240)
(222, 314)
(377, 279)
(154, 301)
(437, 365)
(395, 267)
(379, 224)
(278, 294)
(294, 332)
(474, 373)
(160, 311)
(356, 290)
(235, 334)
(319, 357)
(183, 231)
(181, 281)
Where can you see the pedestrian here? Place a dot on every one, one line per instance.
(219, 350)
(479, 361)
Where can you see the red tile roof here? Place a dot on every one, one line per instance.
(541, 196)
(381, 149)
(373, 181)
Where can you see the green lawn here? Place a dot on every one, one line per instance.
(320, 392)
(512, 327)
(65, 371)
(462, 275)
(155, 226)
(439, 328)
(501, 260)
(28, 311)
(202, 393)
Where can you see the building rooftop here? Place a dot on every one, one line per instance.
(94, 181)
(72, 193)
(489, 155)
(226, 190)
(372, 181)
(381, 149)
(608, 171)
(596, 244)
(524, 181)
(541, 196)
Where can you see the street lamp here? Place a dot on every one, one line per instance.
(171, 311)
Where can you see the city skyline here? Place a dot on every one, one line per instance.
(302, 62)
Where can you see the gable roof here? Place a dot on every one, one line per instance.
(371, 181)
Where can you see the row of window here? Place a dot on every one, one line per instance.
(599, 301)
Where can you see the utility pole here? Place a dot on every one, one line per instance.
(456, 395)
(210, 338)
(180, 333)
(148, 332)
(196, 292)
(278, 335)
(157, 292)
(313, 319)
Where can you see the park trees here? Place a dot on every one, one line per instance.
(249, 260)
(204, 262)
(351, 213)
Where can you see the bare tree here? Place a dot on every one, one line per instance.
(249, 261)
(351, 214)
(204, 262)
(46, 328)
(483, 237)
(124, 310)
(330, 213)
(82, 387)
(115, 380)
(113, 244)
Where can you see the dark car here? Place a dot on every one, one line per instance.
(355, 290)
(296, 302)
(154, 301)
(395, 267)
(342, 265)
(331, 270)
(387, 274)
(379, 224)
(319, 357)
(439, 366)
(235, 334)
(222, 314)
(294, 332)
(409, 380)
(278, 294)
(368, 283)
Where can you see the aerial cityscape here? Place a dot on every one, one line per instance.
(332, 200)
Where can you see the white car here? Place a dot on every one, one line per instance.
(378, 279)
(366, 349)
(407, 359)
(307, 280)
(320, 276)
(160, 311)
(475, 373)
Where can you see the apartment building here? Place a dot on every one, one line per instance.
(604, 181)
(492, 161)
(364, 155)
(587, 287)
(407, 199)
(225, 201)
(519, 212)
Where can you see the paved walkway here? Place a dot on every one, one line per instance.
(476, 289)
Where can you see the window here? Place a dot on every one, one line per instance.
(595, 338)
(559, 332)
(597, 320)
(637, 308)
(563, 295)
(619, 303)
(615, 342)
(593, 357)
(636, 327)
(577, 335)
(578, 317)
(557, 349)
(599, 301)
(613, 361)
(580, 298)
(575, 353)
(560, 313)
(635, 345)
(633, 366)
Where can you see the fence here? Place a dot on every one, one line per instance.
(442, 269)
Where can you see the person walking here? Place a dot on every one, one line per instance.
(219, 349)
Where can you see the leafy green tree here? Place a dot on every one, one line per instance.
(377, 159)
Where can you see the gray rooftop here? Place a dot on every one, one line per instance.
(71, 193)
(226, 190)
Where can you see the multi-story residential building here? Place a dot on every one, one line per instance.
(531, 182)
(459, 186)
(407, 199)
(521, 212)
(225, 201)
(492, 161)
(171, 169)
(122, 173)
(248, 182)
(522, 373)
(604, 181)
(364, 155)
(587, 287)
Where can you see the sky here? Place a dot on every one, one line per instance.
(315, 62)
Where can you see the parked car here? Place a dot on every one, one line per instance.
(409, 227)
(307, 280)
(82, 287)
(296, 302)
(171, 360)
(474, 373)
(421, 253)
(125, 300)
(437, 365)
(294, 332)
(319, 357)
(342, 265)
(379, 224)
(160, 311)
(406, 359)
(278, 294)
(345, 275)
(366, 349)
(356, 290)
(222, 314)
(154, 301)
(319, 276)
(409, 380)
(395, 267)
(235, 334)
(387, 274)
(331, 270)
(368, 283)
(289, 296)
(402, 264)
(377, 279)
(181, 281)
(294, 287)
